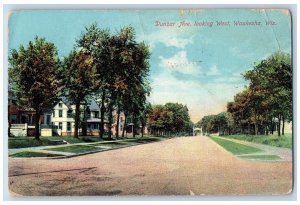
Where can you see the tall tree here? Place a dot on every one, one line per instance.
(97, 42)
(33, 70)
(122, 67)
(271, 81)
(79, 81)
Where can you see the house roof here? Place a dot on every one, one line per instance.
(66, 102)
(93, 105)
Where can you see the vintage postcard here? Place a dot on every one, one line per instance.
(150, 102)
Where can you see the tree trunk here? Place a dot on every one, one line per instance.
(279, 125)
(77, 110)
(256, 128)
(118, 124)
(102, 112)
(248, 129)
(37, 125)
(84, 123)
(124, 125)
(272, 126)
(133, 130)
(110, 116)
(133, 126)
(282, 131)
(84, 129)
(143, 129)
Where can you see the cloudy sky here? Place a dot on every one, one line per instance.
(199, 66)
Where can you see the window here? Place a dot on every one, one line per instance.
(48, 119)
(60, 105)
(60, 114)
(69, 114)
(13, 119)
(60, 126)
(96, 114)
(68, 127)
(53, 113)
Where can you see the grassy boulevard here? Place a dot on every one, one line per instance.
(285, 141)
(22, 142)
(90, 145)
(244, 151)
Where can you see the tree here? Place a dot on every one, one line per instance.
(271, 85)
(155, 119)
(224, 121)
(144, 116)
(122, 68)
(268, 98)
(33, 70)
(97, 42)
(79, 79)
(170, 118)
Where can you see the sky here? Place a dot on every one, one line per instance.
(197, 63)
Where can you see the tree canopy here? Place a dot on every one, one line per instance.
(170, 118)
(264, 104)
(33, 70)
(268, 98)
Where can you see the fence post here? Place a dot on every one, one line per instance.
(26, 129)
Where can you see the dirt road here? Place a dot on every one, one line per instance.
(179, 166)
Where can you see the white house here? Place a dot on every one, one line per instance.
(62, 118)
(59, 120)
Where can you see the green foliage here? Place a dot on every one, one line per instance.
(79, 79)
(33, 71)
(222, 123)
(80, 75)
(261, 157)
(75, 149)
(284, 141)
(122, 67)
(169, 119)
(34, 154)
(23, 142)
(268, 98)
(236, 148)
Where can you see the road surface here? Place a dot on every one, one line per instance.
(178, 166)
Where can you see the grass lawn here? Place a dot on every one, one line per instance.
(272, 140)
(115, 144)
(129, 142)
(34, 154)
(75, 149)
(263, 157)
(235, 148)
(22, 142)
(145, 140)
